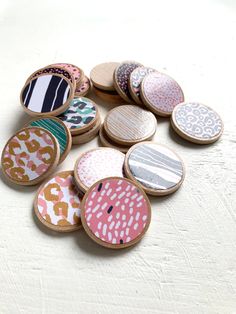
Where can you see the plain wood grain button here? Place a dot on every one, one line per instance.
(102, 75)
(161, 93)
(57, 203)
(96, 164)
(158, 169)
(197, 123)
(115, 212)
(130, 124)
(30, 156)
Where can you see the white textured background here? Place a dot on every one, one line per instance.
(187, 261)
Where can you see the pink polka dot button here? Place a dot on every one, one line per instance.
(115, 212)
(161, 93)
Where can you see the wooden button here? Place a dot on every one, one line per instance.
(47, 94)
(75, 71)
(58, 129)
(57, 203)
(107, 142)
(102, 75)
(30, 156)
(109, 97)
(158, 169)
(161, 93)
(83, 88)
(96, 164)
(121, 78)
(130, 124)
(115, 213)
(81, 115)
(135, 81)
(197, 123)
(88, 135)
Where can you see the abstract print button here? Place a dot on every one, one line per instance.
(47, 94)
(161, 93)
(158, 169)
(197, 123)
(130, 124)
(59, 130)
(115, 212)
(83, 88)
(57, 203)
(121, 78)
(97, 164)
(81, 115)
(75, 71)
(30, 156)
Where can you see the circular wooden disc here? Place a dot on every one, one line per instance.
(135, 80)
(110, 97)
(30, 156)
(102, 75)
(96, 164)
(81, 115)
(75, 71)
(115, 212)
(158, 169)
(161, 93)
(121, 78)
(106, 141)
(58, 129)
(130, 124)
(87, 136)
(197, 123)
(47, 94)
(57, 203)
(83, 88)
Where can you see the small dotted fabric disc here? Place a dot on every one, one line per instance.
(30, 156)
(197, 123)
(115, 213)
(88, 135)
(130, 124)
(158, 169)
(47, 95)
(107, 142)
(161, 93)
(75, 71)
(58, 129)
(135, 81)
(102, 75)
(51, 69)
(83, 88)
(97, 164)
(121, 78)
(80, 116)
(57, 203)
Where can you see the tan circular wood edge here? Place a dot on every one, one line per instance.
(102, 75)
(87, 136)
(107, 142)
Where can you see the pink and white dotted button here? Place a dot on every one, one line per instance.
(115, 212)
(161, 93)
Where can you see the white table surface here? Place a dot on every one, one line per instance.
(186, 263)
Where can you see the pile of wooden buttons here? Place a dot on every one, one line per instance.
(106, 191)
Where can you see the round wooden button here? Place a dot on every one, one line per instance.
(57, 203)
(197, 123)
(102, 75)
(121, 78)
(158, 169)
(130, 124)
(87, 136)
(47, 94)
(135, 81)
(107, 142)
(109, 96)
(58, 129)
(161, 93)
(96, 164)
(81, 115)
(83, 88)
(75, 71)
(30, 156)
(115, 212)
